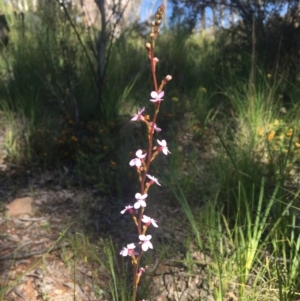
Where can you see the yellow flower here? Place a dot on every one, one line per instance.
(269, 75)
(297, 144)
(203, 90)
(276, 122)
(270, 126)
(260, 131)
(289, 132)
(175, 99)
(271, 135)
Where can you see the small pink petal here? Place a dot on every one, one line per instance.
(157, 97)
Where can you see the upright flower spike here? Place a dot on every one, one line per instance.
(157, 97)
(143, 162)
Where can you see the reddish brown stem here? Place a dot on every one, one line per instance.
(153, 68)
(144, 172)
(150, 142)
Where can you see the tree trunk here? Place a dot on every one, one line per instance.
(203, 21)
(215, 18)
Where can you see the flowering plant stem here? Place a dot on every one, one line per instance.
(143, 161)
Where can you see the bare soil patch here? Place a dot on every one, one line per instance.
(39, 254)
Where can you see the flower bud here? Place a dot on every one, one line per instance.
(148, 46)
(158, 22)
(152, 35)
(168, 78)
(156, 60)
(160, 11)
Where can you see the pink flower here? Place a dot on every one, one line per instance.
(148, 221)
(163, 148)
(153, 180)
(140, 200)
(138, 161)
(157, 97)
(156, 128)
(128, 251)
(146, 243)
(127, 208)
(138, 115)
